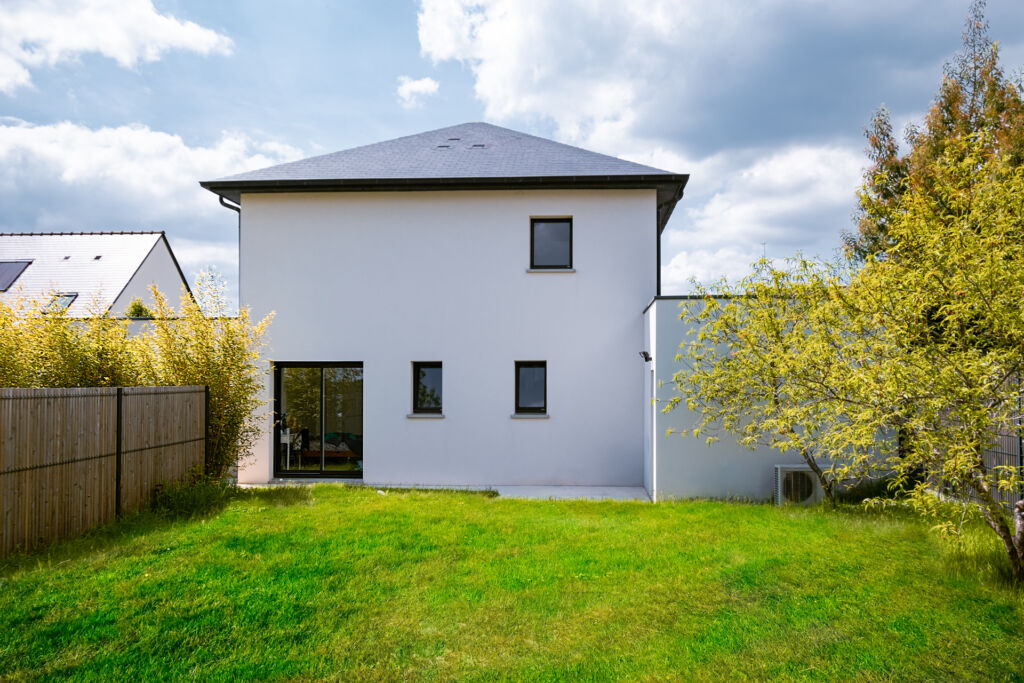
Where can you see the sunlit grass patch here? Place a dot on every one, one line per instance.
(343, 582)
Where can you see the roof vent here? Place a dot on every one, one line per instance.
(478, 145)
(97, 258)
(443, 146)
(454, 139)
(66, 258)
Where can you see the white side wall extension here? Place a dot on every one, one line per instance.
(388, 278)
(686, 466)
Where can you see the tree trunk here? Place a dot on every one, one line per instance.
(1018, 540)
(826, 484)
(995, 517)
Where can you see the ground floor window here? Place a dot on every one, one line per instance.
(426, 387)
(531, 386)
(318, 425)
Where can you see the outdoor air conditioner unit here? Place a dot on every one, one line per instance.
(797, 485)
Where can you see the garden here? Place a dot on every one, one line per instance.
(350, 583)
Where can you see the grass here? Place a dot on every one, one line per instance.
(346, 583)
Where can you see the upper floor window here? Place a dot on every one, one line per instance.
(426, 387)
(551, 243)
(11, 271)
(531, 386)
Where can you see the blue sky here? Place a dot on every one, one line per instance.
(111, 111)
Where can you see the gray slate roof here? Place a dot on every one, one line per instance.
(466, 156)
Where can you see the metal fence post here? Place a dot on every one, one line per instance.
(117, 451)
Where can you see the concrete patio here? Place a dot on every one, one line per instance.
(527, 492)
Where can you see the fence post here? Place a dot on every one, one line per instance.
(206, 431)
(117, 451)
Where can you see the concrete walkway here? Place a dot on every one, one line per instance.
(531, 492)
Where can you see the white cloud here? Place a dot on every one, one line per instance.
(158, 170)
(682, 86)
(780, 202)
(409, 91)
(67, 177)
(705, 266)
(196, 255)
(35, 33)
(588, 65)
(778, 193)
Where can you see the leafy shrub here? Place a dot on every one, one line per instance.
(198, 495)
(201, 342)
(137, 309)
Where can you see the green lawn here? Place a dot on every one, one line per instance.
(346, 583)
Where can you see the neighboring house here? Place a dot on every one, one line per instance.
(460, 307)
(88, 273)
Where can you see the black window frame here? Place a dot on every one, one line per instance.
(25, 264)
(416, 408)
(279, 472)
(532, 410)
(533, 230)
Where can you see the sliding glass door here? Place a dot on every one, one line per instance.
(318, 423)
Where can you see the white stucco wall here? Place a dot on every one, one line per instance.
(650, 395)
(686, 466)
(391, 278)
(158, 269)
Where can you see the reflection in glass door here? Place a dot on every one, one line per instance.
(319, 419)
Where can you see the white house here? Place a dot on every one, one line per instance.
(461, 307)
(88, 273)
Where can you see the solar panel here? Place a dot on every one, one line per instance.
(10, 271)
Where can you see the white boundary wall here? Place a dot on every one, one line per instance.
(685, 466)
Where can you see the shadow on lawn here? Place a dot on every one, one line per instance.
(171, 506)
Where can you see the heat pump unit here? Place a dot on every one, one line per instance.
(797, 485)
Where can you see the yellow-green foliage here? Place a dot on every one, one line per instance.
(202, 343)
(928, 344)
(138, 309)
(52, 350)
(769, 361)
(183, 345)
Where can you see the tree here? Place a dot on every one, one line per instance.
(830, 362)
(770, 363)
(974, 96)
(138, 309)
(950, 304)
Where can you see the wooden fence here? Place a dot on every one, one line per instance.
(73, 459)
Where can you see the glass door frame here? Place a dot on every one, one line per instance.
(280, 473)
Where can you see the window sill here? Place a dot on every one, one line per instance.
(425, 416)
(529, 416)
(550, 270)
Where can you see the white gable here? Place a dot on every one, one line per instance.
(95, 266)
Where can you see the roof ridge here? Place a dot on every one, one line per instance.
(85, 232)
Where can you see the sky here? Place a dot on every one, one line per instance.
(112, 111)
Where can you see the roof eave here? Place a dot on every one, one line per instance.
(669, 186)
